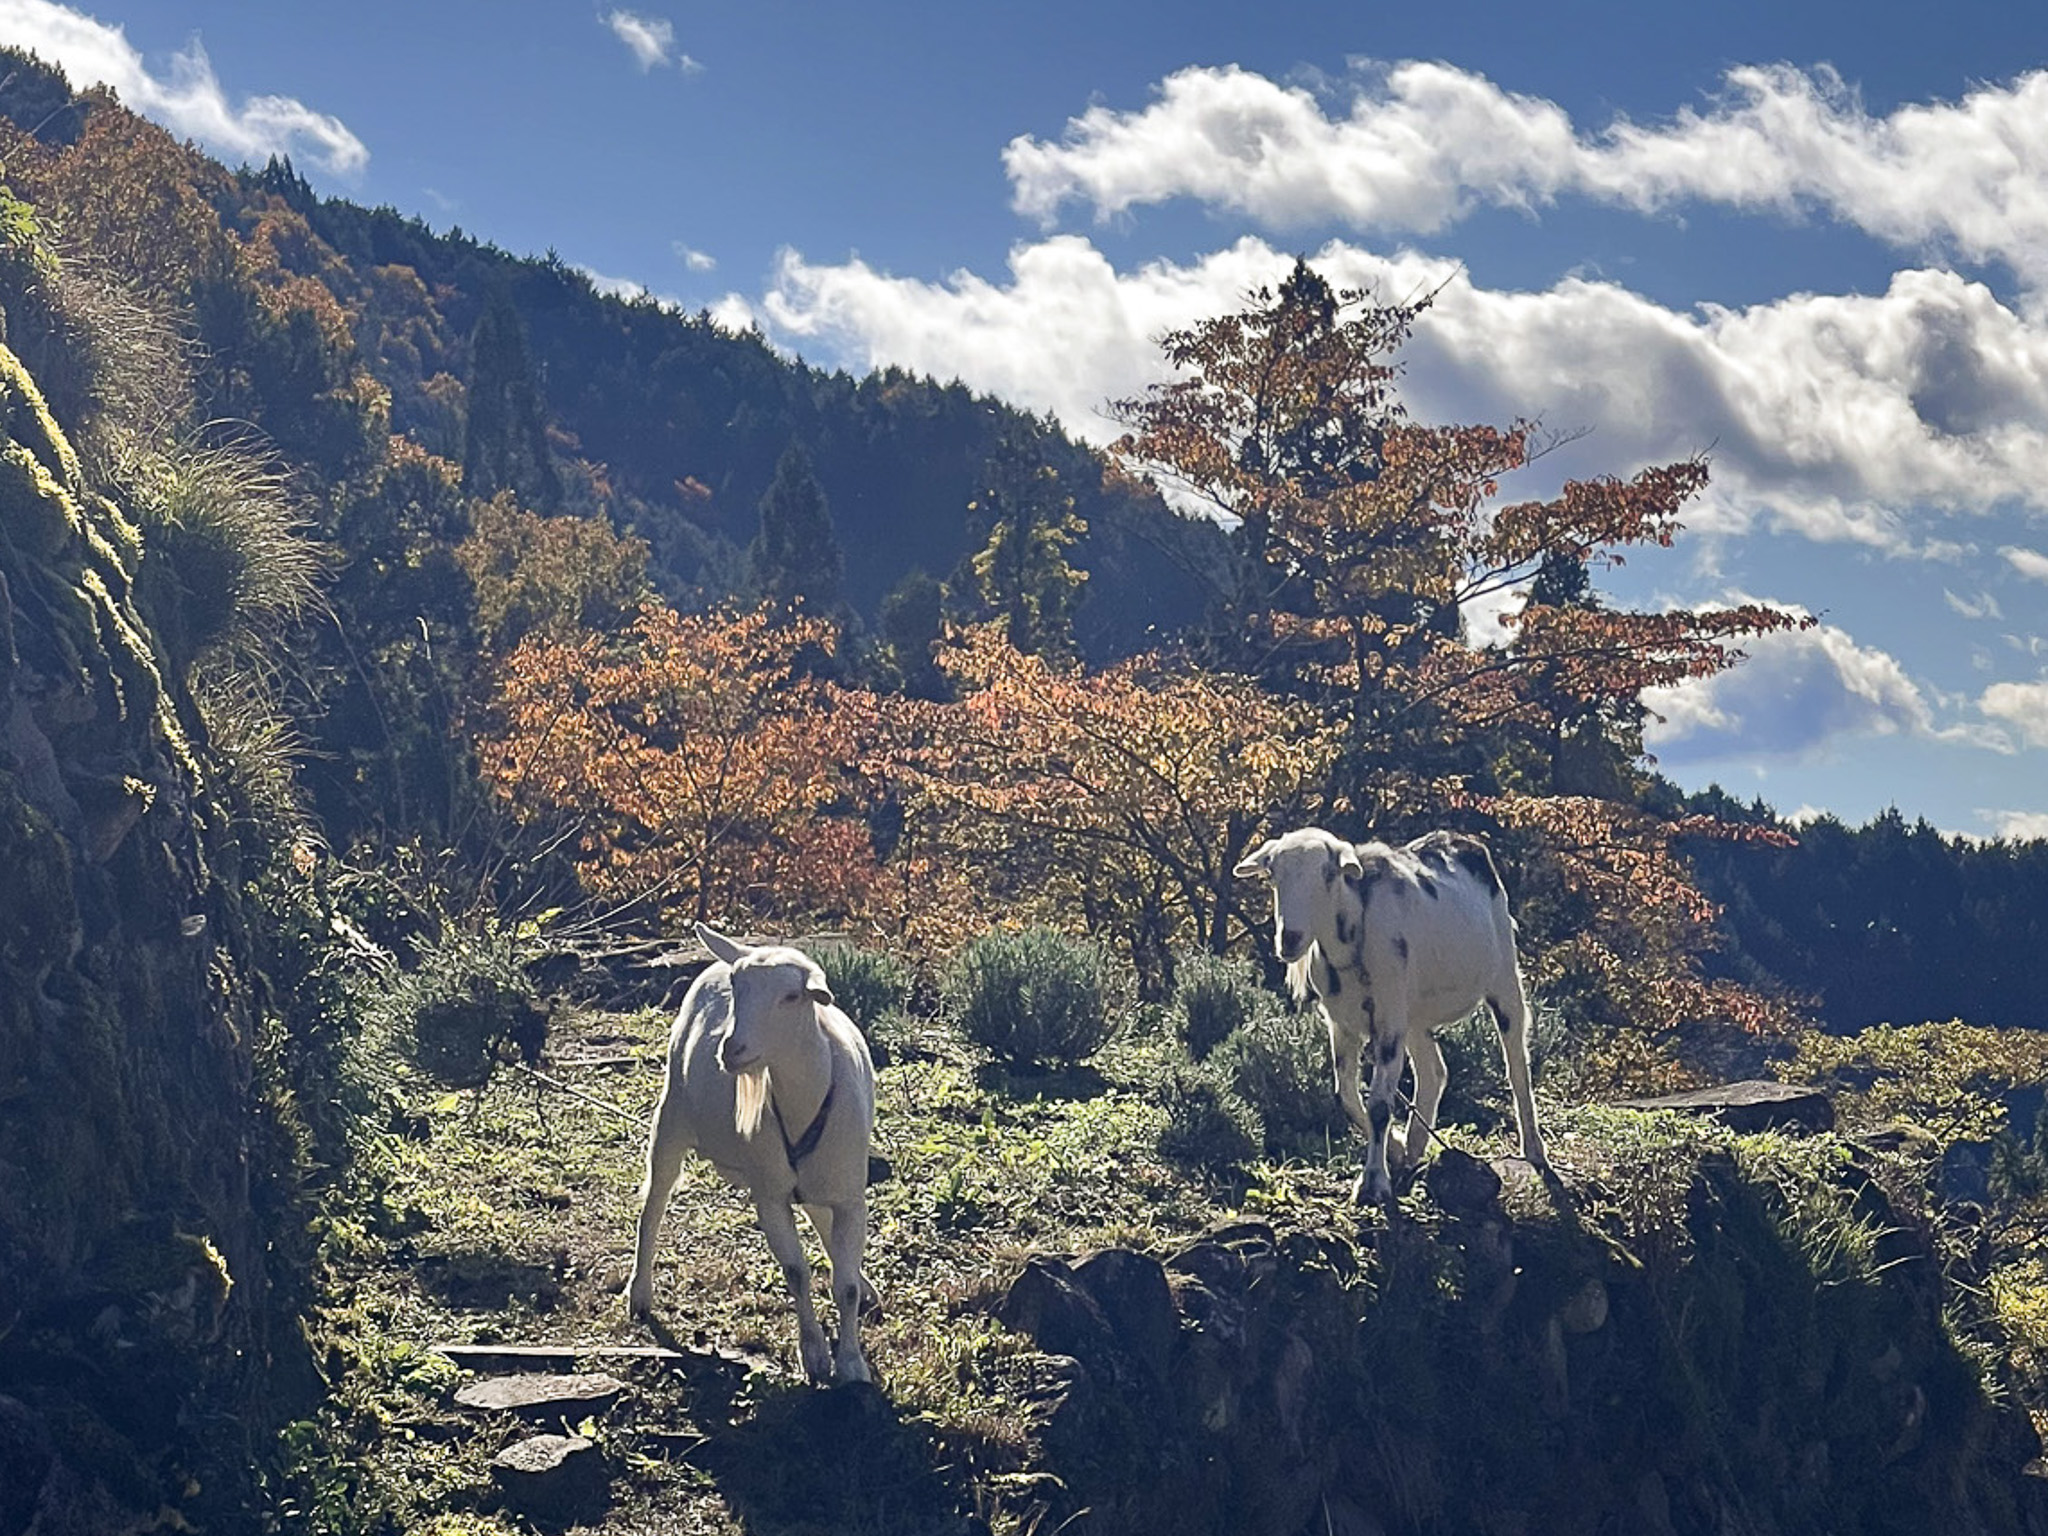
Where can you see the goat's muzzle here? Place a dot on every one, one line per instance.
(1292, 945)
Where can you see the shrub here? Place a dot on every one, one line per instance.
(1213, 998)
(865, 983)
(466, 1004)
(1206, 1124)
(1031, 996)
(1279, 1066)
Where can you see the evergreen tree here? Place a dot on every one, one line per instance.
(910, 623)
(796, 555)
(1022, 573)
(504, 445)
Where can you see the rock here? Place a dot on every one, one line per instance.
(543, 1396)
(1756, 1104)
(1585, 1310)
(1136, 1302)
(554, 1480)
(1461, 1184)
(1062, 1318)
(1898, 1136)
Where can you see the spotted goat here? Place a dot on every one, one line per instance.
(1395, 943)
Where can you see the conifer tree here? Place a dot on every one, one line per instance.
(1022, 574)
(796, 555)
(910, 624)
(504, 444)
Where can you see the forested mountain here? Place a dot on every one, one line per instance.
(1891, 922)
(676, 425)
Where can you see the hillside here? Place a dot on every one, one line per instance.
(687, 421)
(1696, 1332)
(404, 643)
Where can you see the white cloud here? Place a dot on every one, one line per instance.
(2023, 706)
(2028, 562)
(695, 260)
(735, 313)
(1799, 693)
(188, 99)
(1867, 419)
(651, 38)
(1421, 144)
(627, 288)
(1065, 334)
(1982, 606)
(2020, 826)
(1414, 158)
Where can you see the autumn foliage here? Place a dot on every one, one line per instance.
(702, 765)
(695, 765)
(1121, 797)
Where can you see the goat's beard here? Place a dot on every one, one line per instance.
(750, 1092)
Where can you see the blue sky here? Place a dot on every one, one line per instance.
(1809, 240)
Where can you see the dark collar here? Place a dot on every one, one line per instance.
(807, 1143)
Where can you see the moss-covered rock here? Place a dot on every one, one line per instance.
(134, 1336)
(1760, 1347)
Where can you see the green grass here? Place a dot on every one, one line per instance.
(506, 1213)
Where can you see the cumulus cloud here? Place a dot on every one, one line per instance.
(2028, 562)
(187, 98)
(652, 39)
(734, 312)
(1982, 606)
(2022, 706)
(695, 260)
(1866, 419)
(2021, 826)
(1799, 693)
(1419, 145)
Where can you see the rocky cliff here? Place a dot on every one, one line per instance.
(133, 1343)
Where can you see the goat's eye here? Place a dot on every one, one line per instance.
(791, 997)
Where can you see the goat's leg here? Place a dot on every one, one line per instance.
(821, 1218)
(778, 1225)
(1375, 1184)
(1430, 1075)
(666, 1144)
(845, 1243)
(1511, 1012)
(1347, 1046)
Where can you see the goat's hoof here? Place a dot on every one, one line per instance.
(855, 1370)
(640, 1301)
(1370, 1191)
(817, 1363)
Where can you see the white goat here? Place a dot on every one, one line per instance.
(1396, 943)
(759, 1040)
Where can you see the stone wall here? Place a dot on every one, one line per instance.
(1465, 1370)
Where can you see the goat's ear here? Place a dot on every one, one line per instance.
(1256, 862)
(819, 993)
(1348, 864)
(722, 948)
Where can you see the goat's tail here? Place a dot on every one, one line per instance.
(750, 1092)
